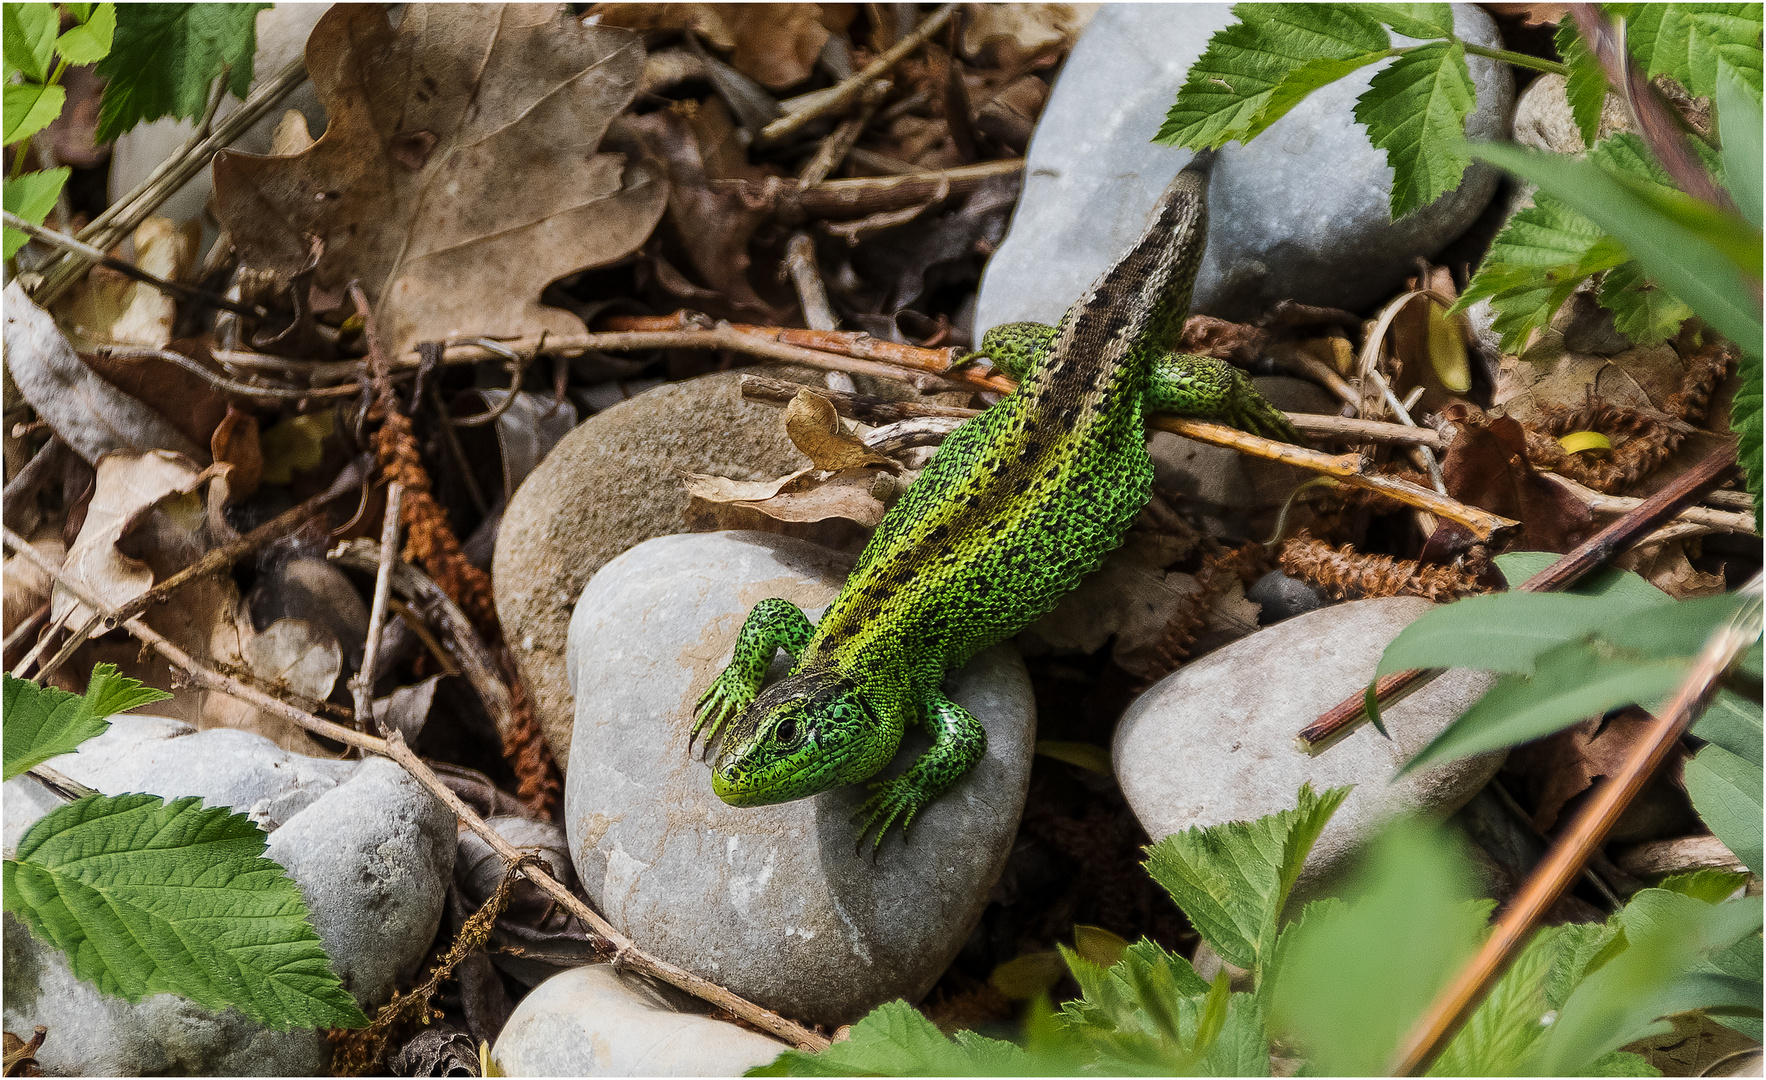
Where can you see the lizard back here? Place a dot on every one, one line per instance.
(1026, 499)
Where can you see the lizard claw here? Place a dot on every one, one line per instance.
(721, 701)
(894, 802)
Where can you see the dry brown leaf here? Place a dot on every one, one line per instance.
(1665, 566)
(292, 655)
(187, 401)
(129, 484)
(1016, 31)
(89, 414)
(707, 221)
(458, 173)
(1562, 766)
(774, 44)
(813, 424)
(27, 587)
(799, 497)
(235, 443)
(1642, 378)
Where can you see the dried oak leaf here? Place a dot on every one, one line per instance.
(815, 428)
(774, 44)
(1486, 466)
(458, 174)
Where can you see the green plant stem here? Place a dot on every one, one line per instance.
(1551, 67)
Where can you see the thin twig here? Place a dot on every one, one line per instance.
(1721, 520)
(1451, 1008)
(232, 386)
(624, 951)
(1335, 724)
(124, 215)
(26, 628)
(130, 270)
(837, 97)
(835, 147)
(362, 686)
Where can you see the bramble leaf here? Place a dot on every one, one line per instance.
(1416, 111)
(1586, 86)
(1642, 310)
(31, 197)
(89, 42)
(31, 107)
(1688, 42)
(44, 722)
(29, 31)
(164, 57)
(149, 897)
(1422, 21)
(896, 1040)
(1233, 879)
(1228, 88)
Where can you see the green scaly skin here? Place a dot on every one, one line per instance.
(1018, 506)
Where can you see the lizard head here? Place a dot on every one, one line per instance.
(804, 735)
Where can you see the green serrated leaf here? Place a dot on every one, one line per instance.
(1586, 85)
(1536, 262)
(1747, 418)
(1667, 939)
(1710, 886)
(1298, 83)
(150, 897)
(164, 57)
(29, 31)
(1570, 683)
(1351, 978)
(31, 196)
(1676, 257)
(31, 107)
(1687, 42)
(1642, 310)
(44, 722)
(1233, 879)
(1496, 1039)
(1421, 21)
(1738, 125)
(1228, 87)
(896, 1040)
(1416, 111)
(1726, 791)
(89, 42)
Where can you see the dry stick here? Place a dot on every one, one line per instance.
(835, 147)
(1600, 503)
(467, 648)
(870, 194)
(128, 212)
(27, 627)
(130, 270)
(625, 953)
(1564, 861)
(875, 410)
(362, 686)
(812, 296)
(837, 97)
(1335, 724)
(42, 644)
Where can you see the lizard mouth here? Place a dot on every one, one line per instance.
(734, 787)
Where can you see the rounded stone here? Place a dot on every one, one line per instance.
(1214, 741)
(590, 1021)
(772, 902)
(371, 851)
(611, 483)
(1302, 212)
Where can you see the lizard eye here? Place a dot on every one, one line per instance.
(787, 730)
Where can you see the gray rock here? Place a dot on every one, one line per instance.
(1303, 212)
(1543, 119)
(591, 1021)
(1214, 741)
(1283, 597)
(772, 902)
(612, 483)
(370, 849)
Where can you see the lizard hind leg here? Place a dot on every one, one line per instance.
(1210, 389)
(773, 624)
(958, 743)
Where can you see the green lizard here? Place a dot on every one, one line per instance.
(1019, 504)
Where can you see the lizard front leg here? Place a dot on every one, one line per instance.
(958, 743)
(772, 625)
